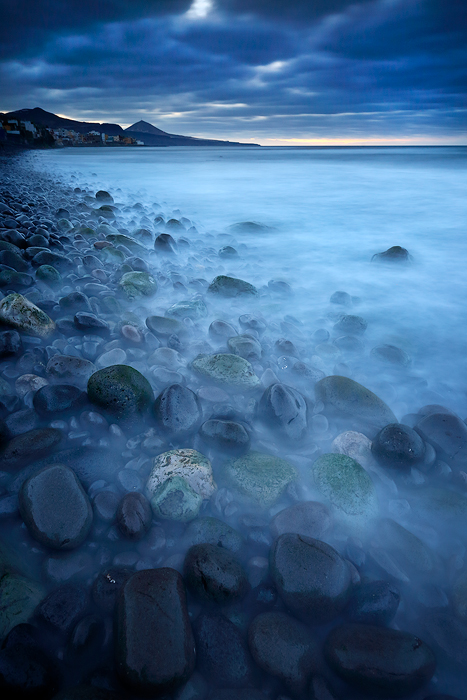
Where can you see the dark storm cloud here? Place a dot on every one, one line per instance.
(247, 68)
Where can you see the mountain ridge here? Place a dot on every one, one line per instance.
(141, 130)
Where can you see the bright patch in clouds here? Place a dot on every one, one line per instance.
(199, 9)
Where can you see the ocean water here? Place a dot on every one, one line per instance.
(328, 210)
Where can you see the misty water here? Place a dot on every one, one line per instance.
(305, 223)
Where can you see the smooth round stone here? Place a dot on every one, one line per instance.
(259, 478)
(213, 574)
(221, 331)
(312, 579)
(165, 243)
(29, 382)
(395, 254)
(105, 505)
(343, 395)
(222, 654)
(137, 285)
(28, 446)
(390, 355)
(284, 408)
(121, 391)
(374, 603)
(354, 445)
(75, 301)
(67, 369)
(174, 499)
(227, 436)
(155, 649)
(308, 518)
(134, 515)
(20, 422)
(164, 327)
(89, 323)
(377, 660)
(23, 315)
(55, 508)
(446, 432)
(58, 399)
(398, 446)
(131, 333)
(63, 607)
(245, 346)
(189, 464)
(350, 344)
(231, 287)
(129, 480)
(116, 356)
(208, 530)
(177, 410)
(284, 648)
(351, 325)
(342, 298)
(194, 310)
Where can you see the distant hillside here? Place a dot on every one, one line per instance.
(151, 135)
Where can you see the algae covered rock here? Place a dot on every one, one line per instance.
(259, 477)
(345, 484)
(227, 369)
(345, 396)
(194, 309)
(138, 284)
(189, 464)
(231, 287)
(20, 313)
(121, 391)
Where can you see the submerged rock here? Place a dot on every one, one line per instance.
(350, 398)
(195, 310)
(225, 435)
(374, 603)
(19, 598)
(259, 478)
(398, 446)
(349, 488)
(20, 313)
(283, 407)
(394, 254)
(209, 530)
(189, 464)
(312, 579)
(177, 411)
(391, 355)
(231, 287)
(164, 327)
(213, 574)
(230, 370)
(155, 650)
(138, 284)
(55, 508)
(377, 660)
(309, 518)
(68, 369)
(446, 432)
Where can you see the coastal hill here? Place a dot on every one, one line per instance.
(143, 131)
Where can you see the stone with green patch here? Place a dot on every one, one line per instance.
(226, 369)
(194, 309)
(18, 312)
(191, 465)
(231, 287)
(48, 274)
(259, 478)
(174, 499)
(138, 284)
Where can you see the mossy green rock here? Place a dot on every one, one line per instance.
(348, 487)
(48, 273)
(230, 370)
(19, 313)
(176, 500)
(121, 391)
(127, 241)
(138, 284)
(231, 287)
(19, 597)
(346, 396)
(195, 310)
(259, 477)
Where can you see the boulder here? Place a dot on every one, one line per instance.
(231, 287)
(399, 447)
(395, 254)
(121, 391)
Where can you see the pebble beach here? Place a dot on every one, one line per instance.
(204, 495)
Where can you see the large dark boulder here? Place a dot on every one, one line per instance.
(379, 661)
(312, 579)
(398, 446)
(120, 391)
(155, 650)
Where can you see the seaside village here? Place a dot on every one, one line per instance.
(16, 131)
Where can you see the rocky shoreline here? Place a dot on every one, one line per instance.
(198, 502)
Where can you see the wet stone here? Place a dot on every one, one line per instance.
(28, 446)
(105, 505)
(351, 325)
(378, 660)
(189, 464)
(284, 408)
(222, 654)
(446, 432)
(63, 607)
(245, 346)
(398, 446)
(155, 651)
(55, 508)
(89, 323)
(391, 355)
(227, 436)
(259, 478)
(19, 598)
(231, 287)
(284, 648)
(121, 391)
(174, 499)
(395, 254)
(107, 586)
(374, 603)
(137, 285)
(134, 515)
(312, 579)
(75, 301)
(165, 243)
(221, 331)
(164, 327)
(58, 399)
(68, 369)
(177, 411)
(213, 574)
(309, 518)
(227, 370)
(194, 310)
(10, 343)
(208, 530)
(22, 314)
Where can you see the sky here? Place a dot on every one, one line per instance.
(275, 72)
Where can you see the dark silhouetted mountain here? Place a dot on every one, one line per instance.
(143, 131)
